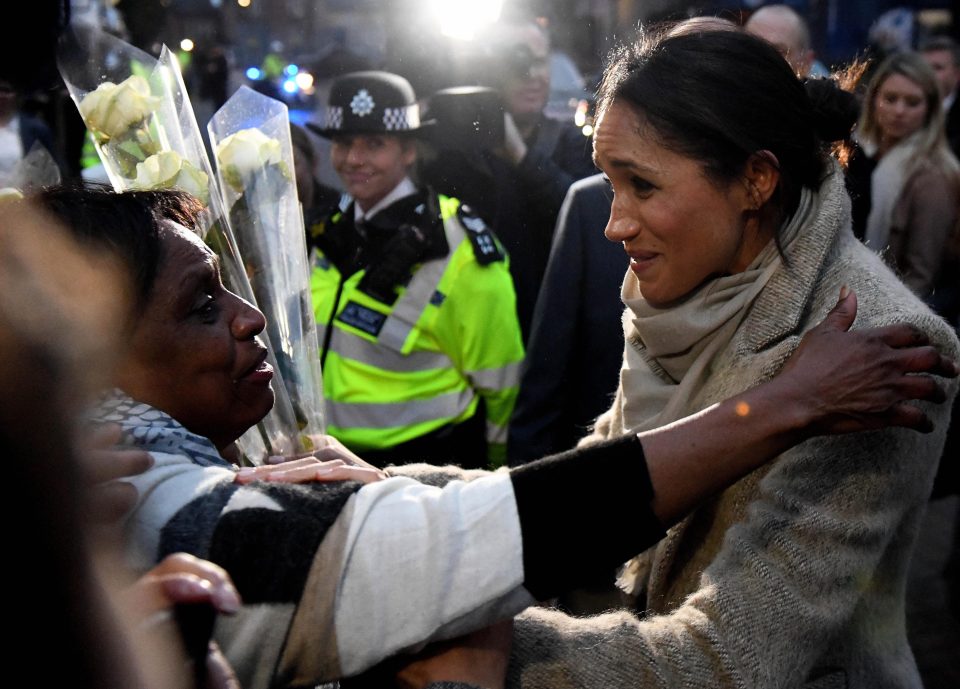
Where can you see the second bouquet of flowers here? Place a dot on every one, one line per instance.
(250, 135)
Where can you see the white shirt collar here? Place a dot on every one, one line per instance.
(402, 190)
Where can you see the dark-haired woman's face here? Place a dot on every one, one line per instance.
(901, 108)
(678, 227)
(195, 352)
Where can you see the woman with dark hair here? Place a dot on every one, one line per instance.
(59, 317)
(337, 576)
(737, 225)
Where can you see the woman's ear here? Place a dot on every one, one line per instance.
(761, 176)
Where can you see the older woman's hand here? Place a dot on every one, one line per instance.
(331, 461)
(845, 382)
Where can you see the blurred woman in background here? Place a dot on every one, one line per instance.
(906, 181)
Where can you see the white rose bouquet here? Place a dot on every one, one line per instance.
(138, 110)
(250, 136)
(118, 116)
(167, 170)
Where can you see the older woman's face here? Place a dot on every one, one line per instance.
(901, 108)
(195, 352)
(678, 227)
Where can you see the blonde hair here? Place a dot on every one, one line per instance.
(932, 144)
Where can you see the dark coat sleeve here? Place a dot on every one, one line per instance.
(575, 344)
(559, 156)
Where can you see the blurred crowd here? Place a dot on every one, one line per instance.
(468, 250)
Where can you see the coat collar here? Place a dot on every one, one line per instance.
(779, 309)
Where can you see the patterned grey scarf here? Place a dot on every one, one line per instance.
(150, 429)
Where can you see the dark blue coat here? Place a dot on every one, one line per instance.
(576, 343)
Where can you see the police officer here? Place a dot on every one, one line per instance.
(416, 309)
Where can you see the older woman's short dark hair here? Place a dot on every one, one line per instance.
(127, 225)
(719, 96)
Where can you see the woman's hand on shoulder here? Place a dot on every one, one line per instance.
(845, 381)
(331, 461)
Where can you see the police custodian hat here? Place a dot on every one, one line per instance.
(370, 102)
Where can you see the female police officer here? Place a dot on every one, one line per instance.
(421, 345)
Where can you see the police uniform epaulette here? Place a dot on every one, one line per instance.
(486, 248)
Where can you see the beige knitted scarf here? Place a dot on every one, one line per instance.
(670, 352)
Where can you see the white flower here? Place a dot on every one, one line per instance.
(112, 109)
(167, 170)
(245, 152)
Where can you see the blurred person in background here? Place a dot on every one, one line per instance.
(519, 186)
(905, 181)
(942, 53)
(788, 32)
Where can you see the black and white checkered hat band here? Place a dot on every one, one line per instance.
(394, 119)
(334, 119)
(398, 119)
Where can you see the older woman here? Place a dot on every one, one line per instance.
(335, 577)
(737, 226)
(906, 180)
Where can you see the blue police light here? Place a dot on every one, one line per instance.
(291, 70)
(290, 86)
(254, 74)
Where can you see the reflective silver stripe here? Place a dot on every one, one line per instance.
(354, 347)
(407, 311)
(496, 433)
(394, 414)
(496, 378)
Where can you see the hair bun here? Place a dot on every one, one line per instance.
(834, 110)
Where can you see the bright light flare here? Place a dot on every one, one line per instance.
(290, 86)
(243, 3)
(580, 116)
(304, 80)
(186, 45)
(254, 74)
(462, 19)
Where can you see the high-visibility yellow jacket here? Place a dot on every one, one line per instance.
(393, 373)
